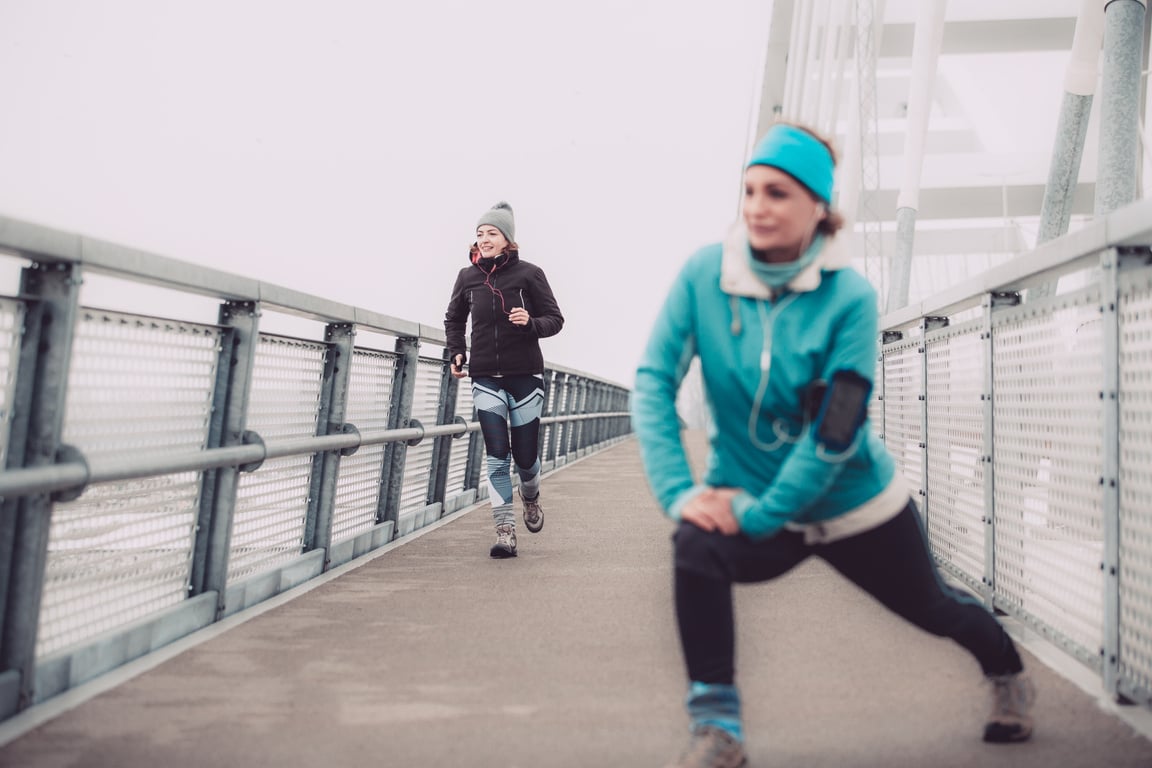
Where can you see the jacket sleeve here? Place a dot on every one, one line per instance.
(456, 319)
(811, 469)
(665, 362)
(547, 320)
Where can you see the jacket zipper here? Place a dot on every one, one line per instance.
(495, 324)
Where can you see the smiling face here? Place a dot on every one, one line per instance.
(490, 241)
(780, 213)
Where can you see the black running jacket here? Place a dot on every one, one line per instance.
(486, 291)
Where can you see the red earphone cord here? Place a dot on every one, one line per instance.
(488, 279)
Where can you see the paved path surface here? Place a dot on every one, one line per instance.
(432, 654)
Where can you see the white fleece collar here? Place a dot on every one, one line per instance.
(738, 279)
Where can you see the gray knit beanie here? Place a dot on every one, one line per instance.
(500, 216)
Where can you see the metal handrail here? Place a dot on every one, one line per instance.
(74, 471)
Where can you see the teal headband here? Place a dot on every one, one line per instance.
(799, 154)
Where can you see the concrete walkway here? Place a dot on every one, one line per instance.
(432, 654)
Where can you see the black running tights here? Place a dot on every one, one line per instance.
(891, 562)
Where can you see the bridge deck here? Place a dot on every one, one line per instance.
(432, 654)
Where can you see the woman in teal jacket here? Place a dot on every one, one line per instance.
(786, 335)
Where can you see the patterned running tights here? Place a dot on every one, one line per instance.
(509, 409)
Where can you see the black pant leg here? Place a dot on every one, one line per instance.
(893, 563)
(707, 564)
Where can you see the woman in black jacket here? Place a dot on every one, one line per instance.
(511, 307)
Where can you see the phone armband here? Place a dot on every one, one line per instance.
(843, 410)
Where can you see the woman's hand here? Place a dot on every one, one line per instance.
(457, 367)
(519, 316)
(712, 511)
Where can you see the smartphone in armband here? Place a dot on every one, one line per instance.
(843, 410)
(811, 398)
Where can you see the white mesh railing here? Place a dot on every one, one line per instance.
(418, 462)
(1047, 374)
(268, 526)
(955, 448)
(1024, 467)
(458, 460)
(161, 474)
(369, 401)
(123, 550)
(1135, 439)
(903, 383)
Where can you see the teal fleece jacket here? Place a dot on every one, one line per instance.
(758, 353)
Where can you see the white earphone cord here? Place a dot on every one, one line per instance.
(765, 368)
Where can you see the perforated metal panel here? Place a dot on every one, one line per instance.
(418, 462)
(955, 447)
(1048, 374)
(1135, 342)
(369, 402)
(272, 502)
(123, 550)
(458, 460)
(903, 384)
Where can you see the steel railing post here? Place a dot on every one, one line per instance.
(243, 320)
(1110, 262)
(600, 428)
(594, 407)
(993, 302)
(214, 439)
(41, 389)
(545, 411)
(400, 414)
(585, 407)
(571, 391)
(987, 456)
(554, 436)
(331, 420)
(442, 447)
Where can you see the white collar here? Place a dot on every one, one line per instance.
(738, 279)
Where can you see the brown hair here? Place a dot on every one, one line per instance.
(474, 252)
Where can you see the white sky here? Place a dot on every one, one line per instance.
(346, 148)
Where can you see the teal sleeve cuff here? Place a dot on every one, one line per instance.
(683, 499)
(742, 504)
(754, 520)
